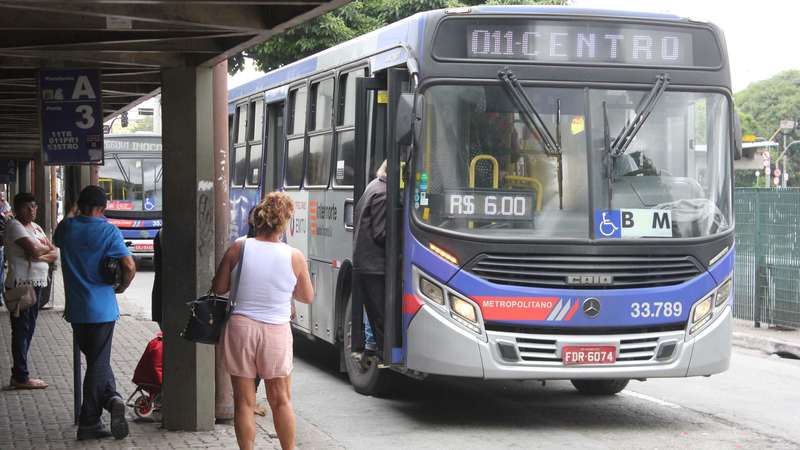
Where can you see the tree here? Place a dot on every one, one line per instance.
(762, 106)
(352, 20)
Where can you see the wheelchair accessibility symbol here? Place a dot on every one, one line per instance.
(149, 204)
(608, 224)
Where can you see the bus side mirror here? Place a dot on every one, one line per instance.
(408, 126)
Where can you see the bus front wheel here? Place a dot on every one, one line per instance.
(365, 376)
(600, 387)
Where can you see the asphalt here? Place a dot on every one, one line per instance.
(43, 419)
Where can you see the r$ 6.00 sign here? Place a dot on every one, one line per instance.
(71, 115)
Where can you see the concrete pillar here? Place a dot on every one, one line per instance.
(224, 390)
(188, 260)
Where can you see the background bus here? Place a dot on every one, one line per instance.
(132, 179)
(560, 209)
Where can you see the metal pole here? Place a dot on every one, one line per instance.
(76, 377)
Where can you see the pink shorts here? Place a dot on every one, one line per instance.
(253, 348)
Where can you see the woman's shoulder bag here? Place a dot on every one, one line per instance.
(209, 313)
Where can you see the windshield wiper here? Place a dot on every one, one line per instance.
(529, 113)
(643, 111)
(125, 177)
(552, 146)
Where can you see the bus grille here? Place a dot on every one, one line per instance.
(544, 350)
(585, 272)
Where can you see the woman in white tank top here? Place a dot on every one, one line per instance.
(257, 340)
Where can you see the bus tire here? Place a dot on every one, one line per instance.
(600, 387)
(367, 381)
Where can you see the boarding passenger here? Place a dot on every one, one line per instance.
(86, 241)
(28, 252)
(369, 253)
(257, 341)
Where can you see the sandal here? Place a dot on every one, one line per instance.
(32, 383)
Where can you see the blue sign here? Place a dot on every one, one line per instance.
(71, 116)
(607, 224)
(8, 171)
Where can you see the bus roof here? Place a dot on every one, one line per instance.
(409, 33)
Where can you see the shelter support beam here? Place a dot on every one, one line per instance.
(188, 259)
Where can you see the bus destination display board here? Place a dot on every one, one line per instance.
(546, 41)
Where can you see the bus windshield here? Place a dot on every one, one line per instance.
(483, 170)
(132, 184)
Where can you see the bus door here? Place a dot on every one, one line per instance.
(369, 144)
(291, 180)
(322, 211)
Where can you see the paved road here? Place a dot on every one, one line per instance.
(753, 405)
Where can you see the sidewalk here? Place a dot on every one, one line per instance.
(765, 339)
(43, 419)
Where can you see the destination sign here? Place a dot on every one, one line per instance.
(546, 41)
(578, 41)
(152, 145)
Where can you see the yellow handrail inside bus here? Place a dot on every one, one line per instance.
(516, 181)
(495, 170)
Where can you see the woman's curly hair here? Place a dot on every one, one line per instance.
(273, 213)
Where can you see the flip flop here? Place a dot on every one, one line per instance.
(32, 383)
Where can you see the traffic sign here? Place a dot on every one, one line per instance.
(71, 116)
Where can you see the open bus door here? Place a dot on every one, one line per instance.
(374, 142)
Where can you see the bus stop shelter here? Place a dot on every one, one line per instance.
(174, 47)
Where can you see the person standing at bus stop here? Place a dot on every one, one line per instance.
(29, 252)
(369, 252)
(91, 307)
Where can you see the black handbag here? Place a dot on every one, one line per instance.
(209, 313)
(208, 316)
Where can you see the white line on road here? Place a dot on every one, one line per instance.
(650, 399)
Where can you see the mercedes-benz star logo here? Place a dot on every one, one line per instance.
(591, 307)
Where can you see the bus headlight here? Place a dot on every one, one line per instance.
(707, 308)
(431, 290)
(724, 291)
(463, 308)
(701, 312)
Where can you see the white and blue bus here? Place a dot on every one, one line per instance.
(559, 191)
(132, 178)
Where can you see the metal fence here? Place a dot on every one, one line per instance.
(767, 284)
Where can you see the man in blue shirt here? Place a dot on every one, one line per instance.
(91, 306)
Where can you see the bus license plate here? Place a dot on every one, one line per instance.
(594, 354)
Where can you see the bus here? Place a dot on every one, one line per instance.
(132, 178)
(558, 192)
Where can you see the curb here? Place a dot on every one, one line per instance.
(766, 345)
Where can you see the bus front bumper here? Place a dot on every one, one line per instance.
(436, 345)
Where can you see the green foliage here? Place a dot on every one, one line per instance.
(349, 21)
(761, 107)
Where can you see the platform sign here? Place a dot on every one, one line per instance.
(8, 170)
(71, 116)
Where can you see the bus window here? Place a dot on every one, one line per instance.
(295, 137)
(345, 132)
(322, 108)
(241, 123)
(294, 162)
(297, 111)
(347, 97)
(319, 144)
(254, 143)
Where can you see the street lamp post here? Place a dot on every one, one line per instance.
(784, 156)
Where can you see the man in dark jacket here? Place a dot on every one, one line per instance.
(369, 252)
